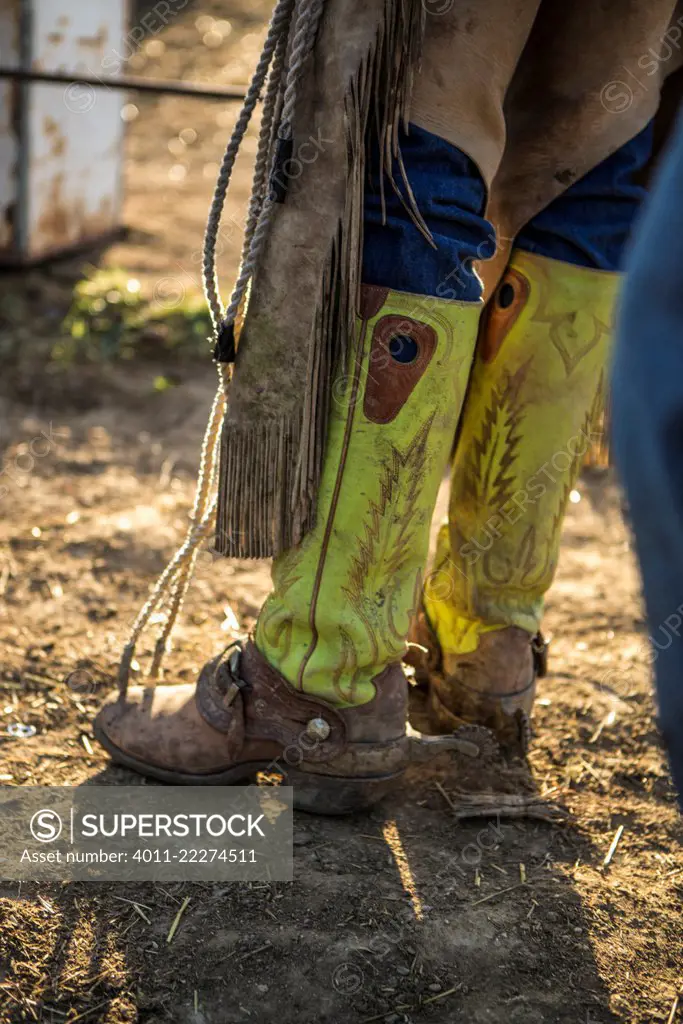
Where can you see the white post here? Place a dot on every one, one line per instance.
(61, 146)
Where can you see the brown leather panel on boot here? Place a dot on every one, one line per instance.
(257, 720)
(402, 349)
(506, 304)
(372, 298)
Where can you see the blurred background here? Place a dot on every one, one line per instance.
(103, 192)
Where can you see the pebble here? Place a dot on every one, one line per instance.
(434, 987)
(20, 731)
(403, 971)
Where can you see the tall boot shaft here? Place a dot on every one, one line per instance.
(537, 389)
(342, 600)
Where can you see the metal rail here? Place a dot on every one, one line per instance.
(171, 87)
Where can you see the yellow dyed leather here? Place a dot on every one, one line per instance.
(527, 423)
(341, 603)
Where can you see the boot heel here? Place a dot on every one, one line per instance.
(316, 793)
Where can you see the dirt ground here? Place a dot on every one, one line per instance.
(408, 914)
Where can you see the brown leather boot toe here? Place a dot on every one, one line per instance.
(243, 718)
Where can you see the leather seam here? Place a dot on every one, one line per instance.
(333, 505)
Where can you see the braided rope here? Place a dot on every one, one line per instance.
(264, 148)
(278, 111)
(200, 525)
(304, 35)
(279, 24)
(263, 208)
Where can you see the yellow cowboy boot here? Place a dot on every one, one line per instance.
(536, 393)
(321, 694)
(342, 601)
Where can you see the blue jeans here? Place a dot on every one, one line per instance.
(648, 430)
(588, 225)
